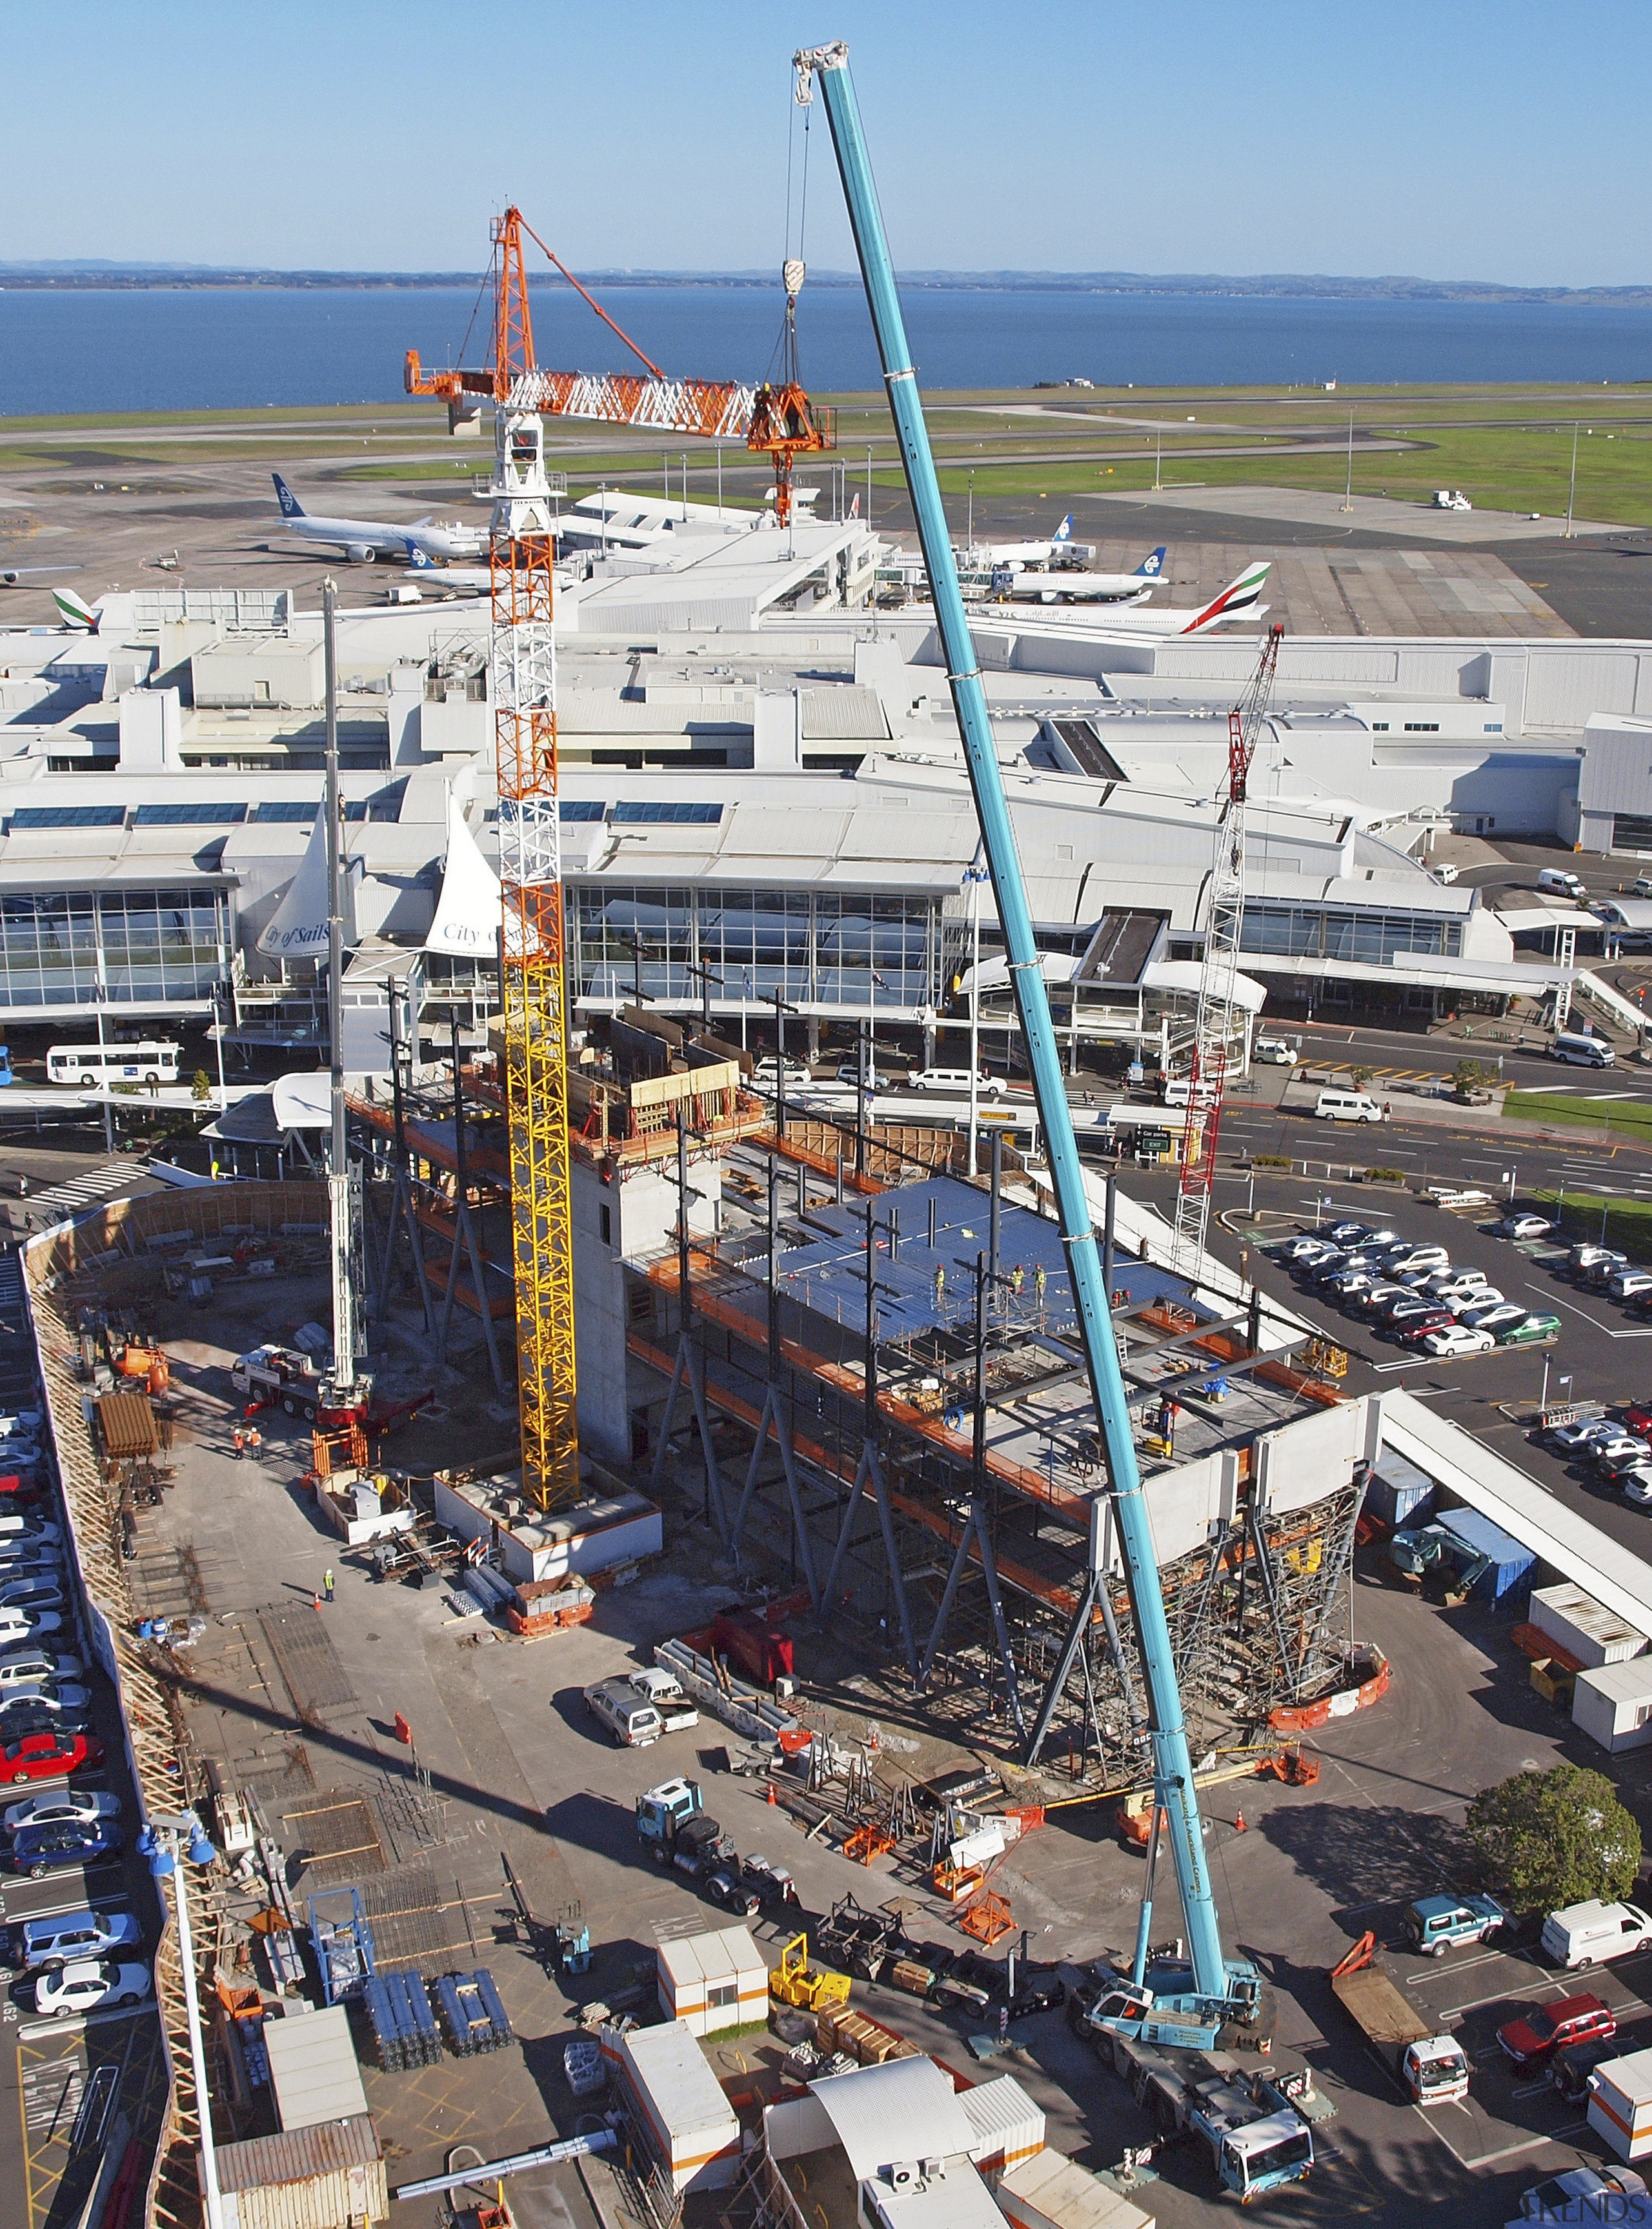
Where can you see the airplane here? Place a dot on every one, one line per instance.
(448, 576)
(76, 613)
(1071, 584)
(1058, 545)
(1237, 600)
(364, 539)
(12, 574)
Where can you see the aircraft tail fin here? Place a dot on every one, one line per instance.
(1064, 531)
(291, 507)
(74, 611)
(1152, 567)
(854, 507)
(1240, 595)
(418, 560)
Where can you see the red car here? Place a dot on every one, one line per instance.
(1638, 1419)
(51, 1756)
(1537, 2035)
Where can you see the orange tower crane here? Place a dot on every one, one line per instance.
(780, 420)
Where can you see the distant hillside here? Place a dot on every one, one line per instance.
(1284, 286)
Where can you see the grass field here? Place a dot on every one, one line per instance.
(1624, 1118)
(1507, 448)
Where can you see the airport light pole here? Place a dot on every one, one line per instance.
(1348, 499)
(1571, 491)
(1158, 457)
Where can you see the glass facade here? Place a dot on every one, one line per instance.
(159, 947)
(1316, 932)
(847, 948)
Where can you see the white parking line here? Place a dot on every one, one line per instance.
(77, 2024)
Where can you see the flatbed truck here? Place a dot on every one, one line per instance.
(1430, 2067)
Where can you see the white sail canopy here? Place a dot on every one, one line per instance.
(468, 913)
(298, 928)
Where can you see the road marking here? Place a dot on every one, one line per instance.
(77, 2023)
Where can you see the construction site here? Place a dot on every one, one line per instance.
(954, 1522)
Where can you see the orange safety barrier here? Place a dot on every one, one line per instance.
(1343, 1704)
(988, 1919)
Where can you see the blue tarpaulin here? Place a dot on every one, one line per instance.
(1509, 1561)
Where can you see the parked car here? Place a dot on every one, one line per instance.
(1570, 2070)
(1523, 1226)
(1375, 1298)
(875, 1078)
(1462, 1304)
(19, 1627)
(63, 1804)
(50, 1756)
(85, 1984)
(1636, 1486)
(65, 1696)
(1420, 1258)
(1579, 1439)
(956, 1080)
(1495, 1317)
(1586, 1252)
(1347, 1282)
(1438, 1923)
(1619, 1447)
(1418, 1315)
(69, 1935)
(1532, 1333)
(767, 1073)
(1637, 1418)
(1631, 1284)
(24, 1667)
(1532, 2038)
(44, 1592)
(1596, 1275)
(29, 1524)
(1616, 1469)
(1300, 1248)
(1446, 1282)
(38, 1851)
(1454, 1339)
(1349, 1234)
(23, 1715)
(1582, 2194)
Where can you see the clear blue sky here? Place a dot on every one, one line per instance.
(1502, 141)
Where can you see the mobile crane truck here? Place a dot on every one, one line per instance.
(1210, 1997)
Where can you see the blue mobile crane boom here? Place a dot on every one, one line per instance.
(1220, 1990)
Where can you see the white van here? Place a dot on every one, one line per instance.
(956, 1080)
(1174, 1090)
(1277, 1052)
(1587, 1934)
(1581, 1051)
(1346, 1107)
(1560, 883)
(630, 1718)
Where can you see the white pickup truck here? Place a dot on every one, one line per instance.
(677, 1713)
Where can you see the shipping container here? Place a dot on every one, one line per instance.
(1586, 1629)
(688, 2121)
(1620, 2104)
(713, 1981)
(759, 1648)
(1398, 1492)
(1508, 1562)
(1049, 2191)
(324, 2177)
(313, 2068)
(1008, 2126)
(1613, 1704)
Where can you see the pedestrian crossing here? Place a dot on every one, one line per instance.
(80, 1191)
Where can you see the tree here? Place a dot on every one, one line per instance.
(1360, 1077)
(200, 1086)
(1466, 1077)
(1549, 1838)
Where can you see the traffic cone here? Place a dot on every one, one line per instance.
(318, 1602)
(1239, 1826)
(771, 1792)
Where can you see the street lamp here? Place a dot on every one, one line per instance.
(1510, 1176)
(163, 1842)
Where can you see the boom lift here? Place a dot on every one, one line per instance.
(523, 687)
(1214, 1997)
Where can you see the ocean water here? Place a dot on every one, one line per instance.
(158, 350)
